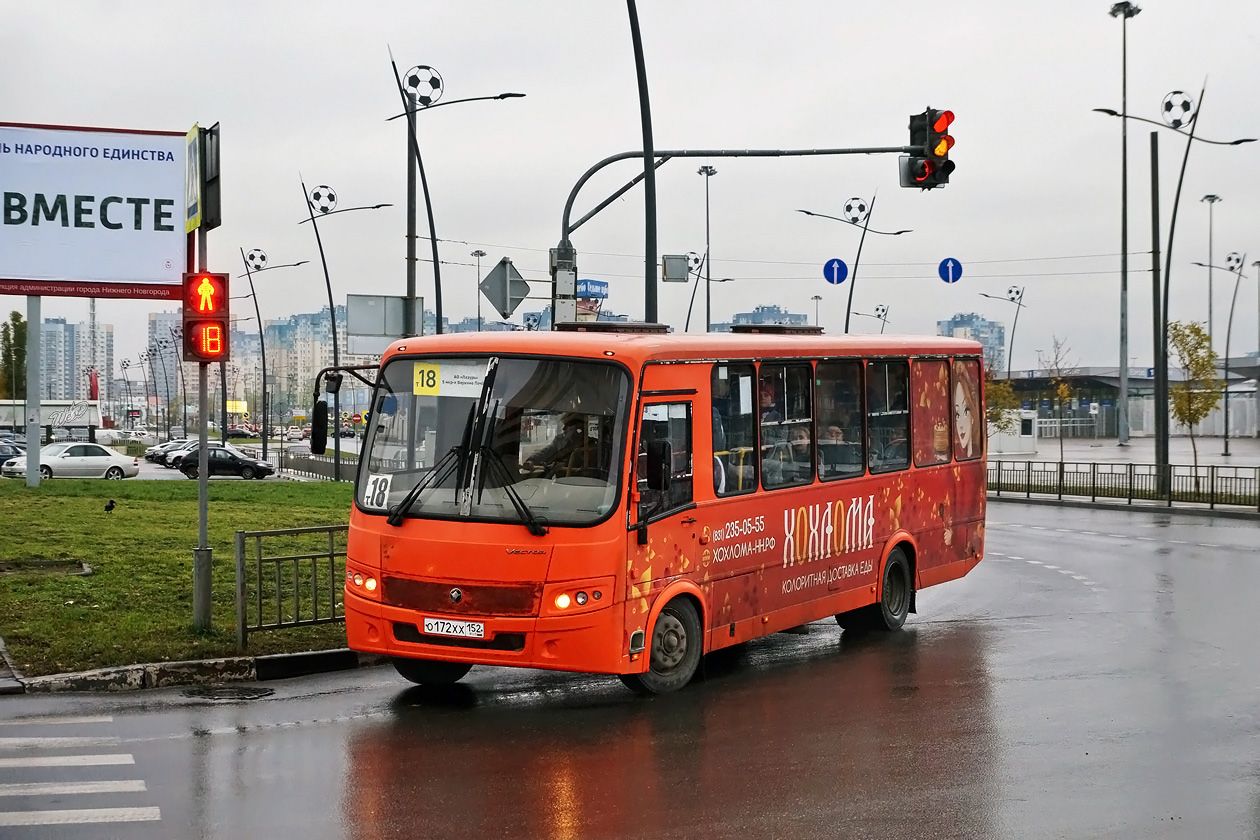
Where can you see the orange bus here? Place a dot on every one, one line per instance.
(624, 501)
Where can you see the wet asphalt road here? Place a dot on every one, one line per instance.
(1095, 676)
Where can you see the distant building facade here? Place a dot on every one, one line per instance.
(990, 334)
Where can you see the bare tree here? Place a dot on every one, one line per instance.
(1061, 371)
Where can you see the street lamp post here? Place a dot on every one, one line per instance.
(1236, 261)
(816, 299)
(1211, 200)
(880, 314)
(1015, 294)
(477, 286)
(1123, 10)
(256, 261)
(708, 172)
(420, 91)
(859, 215)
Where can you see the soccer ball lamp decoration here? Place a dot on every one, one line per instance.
(256, 259)
(1014, 293)
(1234, 261)
(323, 199)
(855, 210)
(426, 83)
(1178, 109)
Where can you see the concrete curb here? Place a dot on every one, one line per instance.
(196, 672)
(1144, 507)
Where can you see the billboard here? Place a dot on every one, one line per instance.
(88, 212)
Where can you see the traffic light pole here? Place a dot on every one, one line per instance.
(202, 554)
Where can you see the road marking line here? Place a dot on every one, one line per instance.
(1088, 533)
(1147, 539)
(50, 720)
(1039, 527)
(1118, 536)
(79, 816)
(67, 760)
(1180, 542)
(1080, 577)
(1048, 566)
(65, 788)
(1063, 571)
(1034, 562)
(1207, 545)
(1013, 557)
(52, 743)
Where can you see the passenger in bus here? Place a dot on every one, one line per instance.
(555, 454)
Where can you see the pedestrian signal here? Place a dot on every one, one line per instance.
(207, 323)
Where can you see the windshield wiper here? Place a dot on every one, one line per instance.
(528, 517)
(435, 476)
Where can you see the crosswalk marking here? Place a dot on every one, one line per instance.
(55, 743)
(69, 788)
(67, 760)
(53, 720)
(79, 816)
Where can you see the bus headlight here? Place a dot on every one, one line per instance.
(562, 601)
(580, 598)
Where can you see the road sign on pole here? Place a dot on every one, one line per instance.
(950, 270)
(835, 271)
(504, 287)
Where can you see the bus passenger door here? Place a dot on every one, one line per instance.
(662, 540)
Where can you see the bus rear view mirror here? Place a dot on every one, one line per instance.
(319, 428)
(659, 458)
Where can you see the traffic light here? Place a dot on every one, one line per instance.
(939, 142)
(928, 165)
(917, 169)
(207, 324)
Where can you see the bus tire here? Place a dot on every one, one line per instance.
(894, 603)
(677, 643)
(430, 671)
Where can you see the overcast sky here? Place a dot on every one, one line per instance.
(304, 88)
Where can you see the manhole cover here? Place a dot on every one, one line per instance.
(44, 566)
(227, 692)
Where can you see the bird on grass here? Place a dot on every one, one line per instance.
(109, 506)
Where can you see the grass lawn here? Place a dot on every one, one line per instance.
(137, 605)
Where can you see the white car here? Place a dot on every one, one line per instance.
(76, 460)
(295, 433)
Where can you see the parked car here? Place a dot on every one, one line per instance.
(8, 449)
(240, 432)
(152, 452)
(76, 460)
(306, 433)
(176, 458)
(226, 461)
(295, 433)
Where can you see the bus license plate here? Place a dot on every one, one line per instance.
(463, 629)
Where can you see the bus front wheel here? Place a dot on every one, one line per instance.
(894, 604)
(675, 650)
(430, 671)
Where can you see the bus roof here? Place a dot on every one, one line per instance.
(638, 348)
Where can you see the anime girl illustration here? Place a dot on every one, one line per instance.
(967, 443)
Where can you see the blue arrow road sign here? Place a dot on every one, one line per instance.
(950, 270)
(835, 271)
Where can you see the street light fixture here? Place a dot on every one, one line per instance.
(256, 262)
(420, 91)
(816, 299)
(1014, 294)
(1234, 262)
(324, 199)
(881, 313)
(858, 213)
(708, 172)
(1124, 10)
(478, 254)
(1211, 200)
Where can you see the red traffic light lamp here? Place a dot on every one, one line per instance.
(928, 165)
(207, 322)
(939, 142)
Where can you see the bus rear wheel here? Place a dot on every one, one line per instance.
(894, 603)
(675, 651)
(430, 671)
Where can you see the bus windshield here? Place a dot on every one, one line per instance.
(503, 439)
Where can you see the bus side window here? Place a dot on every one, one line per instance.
(888, 415)
(840, 429)
(669, 422)
(734, 429)
(787, 428)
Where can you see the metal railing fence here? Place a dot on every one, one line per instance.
(1210, 484)
(298, 582)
